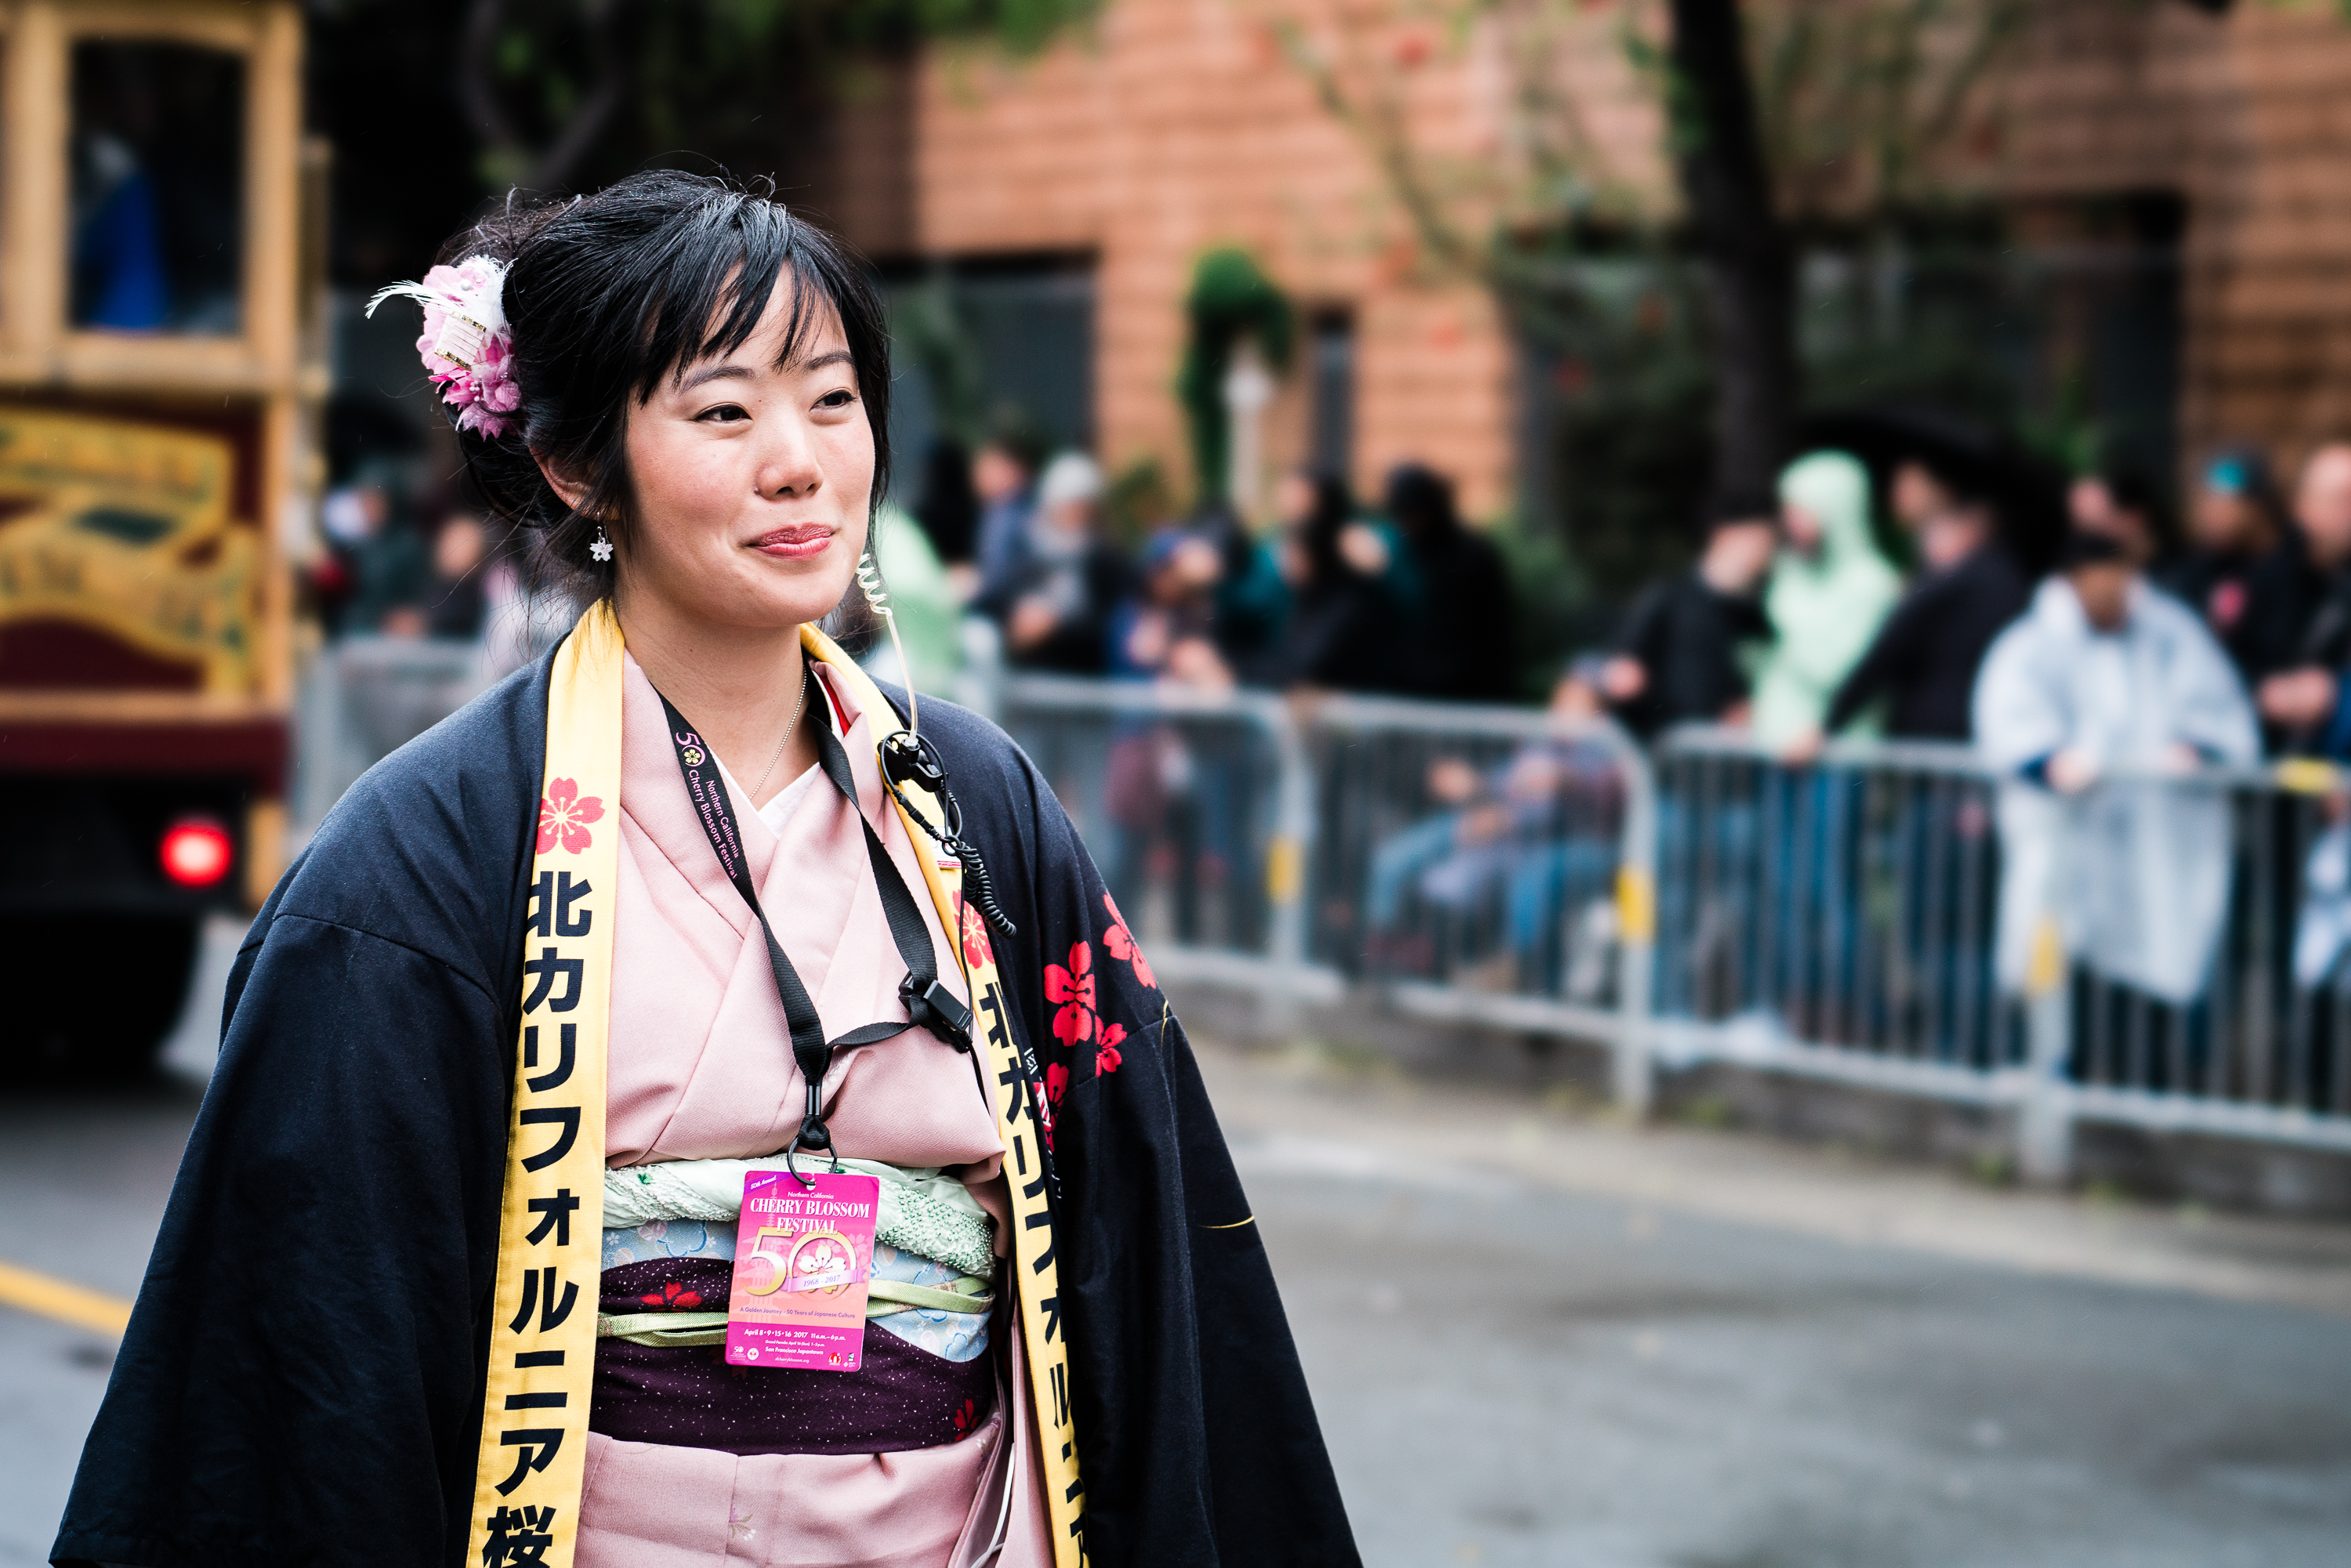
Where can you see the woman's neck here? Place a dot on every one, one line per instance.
(738, 686)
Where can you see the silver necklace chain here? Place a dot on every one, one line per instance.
(785, 741)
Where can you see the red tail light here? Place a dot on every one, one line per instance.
(196, 851)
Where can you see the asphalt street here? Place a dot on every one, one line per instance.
(1564, 1342)
(1514, 1376)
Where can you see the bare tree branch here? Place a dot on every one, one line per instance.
(1382, 128)
(475, 72)
(554, 166)
(511, 160)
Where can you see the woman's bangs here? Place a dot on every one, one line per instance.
(717, 279)
(733, 297)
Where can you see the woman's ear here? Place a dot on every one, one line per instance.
(574, 493)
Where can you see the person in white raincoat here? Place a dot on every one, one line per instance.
(2102, 680)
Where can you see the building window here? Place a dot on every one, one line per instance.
(984, 341)
(1330, 364)
(2054, 320)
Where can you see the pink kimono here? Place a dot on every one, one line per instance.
(701, 1068)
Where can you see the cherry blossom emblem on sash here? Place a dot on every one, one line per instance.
(563, 816)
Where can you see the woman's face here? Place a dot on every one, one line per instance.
(1803, 529)
(1293, 499)
(1917, 495)
(752, 481)
(2222, 519)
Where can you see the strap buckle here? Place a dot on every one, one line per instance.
(936, 1008)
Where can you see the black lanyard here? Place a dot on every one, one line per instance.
(929, 1004)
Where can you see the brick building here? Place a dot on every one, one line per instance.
(1107, 167)
(2243, 118)
(1069, 196)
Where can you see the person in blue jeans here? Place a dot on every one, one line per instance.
(1537, 828)
(1685, 655)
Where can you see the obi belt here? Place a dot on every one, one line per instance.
(669, 1249)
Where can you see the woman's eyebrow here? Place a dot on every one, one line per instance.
(836, 356)
(693, 378)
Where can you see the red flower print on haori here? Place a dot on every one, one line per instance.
(975, 938)
(1057, 1082)
(562, 813)
(1074, 987)
(1122, 944)
(673, 1295)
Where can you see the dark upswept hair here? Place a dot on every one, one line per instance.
(610, 294)
(1319, 531)
(1420, 500)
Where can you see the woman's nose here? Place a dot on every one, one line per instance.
(789, 468)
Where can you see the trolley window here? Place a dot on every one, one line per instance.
(158, 187)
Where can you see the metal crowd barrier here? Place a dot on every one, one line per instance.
(1489, 865)
(1838, 918)
(1199, 809)
(364, 697)
(2163, 950)
(1467, 863)
(2169, 952)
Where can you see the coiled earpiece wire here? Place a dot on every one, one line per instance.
(907, 757)
(877, 595)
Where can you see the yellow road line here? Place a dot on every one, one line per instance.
(70, 1303)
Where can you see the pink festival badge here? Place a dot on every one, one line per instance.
(803, 1257)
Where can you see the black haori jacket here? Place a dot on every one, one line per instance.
(302, 1381)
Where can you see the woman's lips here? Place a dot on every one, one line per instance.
(795, 543)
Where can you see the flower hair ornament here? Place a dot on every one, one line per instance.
(467, 347)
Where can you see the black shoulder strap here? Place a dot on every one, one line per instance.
(929, 1004)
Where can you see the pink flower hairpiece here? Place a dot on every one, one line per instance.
(467, 347)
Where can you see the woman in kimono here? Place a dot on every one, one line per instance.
(453, 1272)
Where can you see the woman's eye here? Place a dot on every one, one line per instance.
(724, 413)
(840, 397)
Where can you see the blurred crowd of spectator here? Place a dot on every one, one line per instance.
(1406, 601)
(1911, 597)
(2135, 657)
(1795, 624)
(1403, 600)
(1903, 597)
(395, 567)
(1022, 550)
(399, 565)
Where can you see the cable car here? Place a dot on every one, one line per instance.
(161, 373)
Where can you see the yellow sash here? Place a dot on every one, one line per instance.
(542, 1369)
(529, 1469)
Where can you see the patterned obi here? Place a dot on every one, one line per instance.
(925, 1378)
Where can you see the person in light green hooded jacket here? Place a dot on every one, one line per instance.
(929, 619)
(1830, 589)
